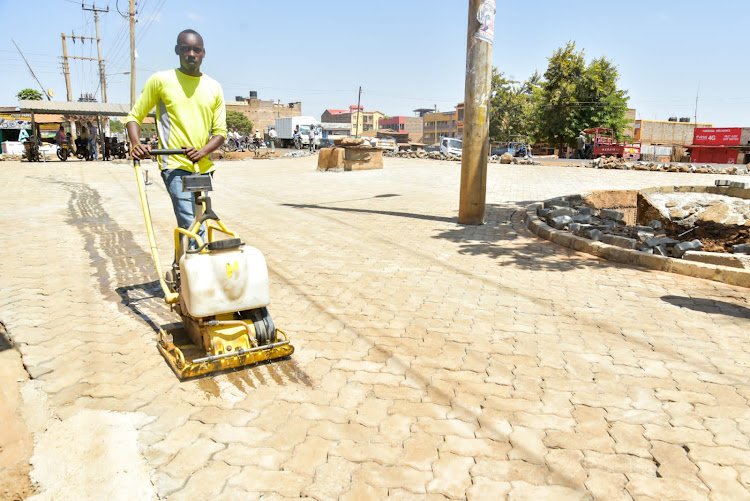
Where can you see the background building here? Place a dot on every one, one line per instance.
(263, 114)
(664, 141)
(442, 123)
(359, 120)
(403, 124)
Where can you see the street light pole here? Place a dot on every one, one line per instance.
(480, 37)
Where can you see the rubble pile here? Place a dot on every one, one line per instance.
(608, 226)
(297, 154)
(689, 209)
(436, 155)
(10, 156)
(624, 164)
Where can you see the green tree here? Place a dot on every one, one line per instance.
(239, 122)
(601, 103)
(572, 97)
(115, 126)
(509, 106)
(29, 94)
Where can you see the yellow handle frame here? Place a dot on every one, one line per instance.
(169, 296)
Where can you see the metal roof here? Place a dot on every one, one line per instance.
(74, 108)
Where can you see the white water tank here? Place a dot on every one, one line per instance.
(224, 281)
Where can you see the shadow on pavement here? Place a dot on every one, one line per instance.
(379, 212)
(145, 293)
(5, 342)
(504, 239)
(709, 306)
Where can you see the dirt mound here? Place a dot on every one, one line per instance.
(715, 237)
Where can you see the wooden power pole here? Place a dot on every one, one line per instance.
(434, 122)
(359, 99)
(132, 53)
(480, 37)
(66, 69)
(102, 76)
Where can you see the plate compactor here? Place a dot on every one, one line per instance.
(219, 286)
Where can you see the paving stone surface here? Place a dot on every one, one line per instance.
(433, 360)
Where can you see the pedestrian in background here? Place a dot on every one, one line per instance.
(93, 138)
(581, 145)
(312, 138)
(272, 139)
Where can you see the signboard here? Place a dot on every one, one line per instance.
(47, 131)
(486, 18)
(717, 137)
(15, 121)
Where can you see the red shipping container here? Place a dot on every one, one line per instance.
(713, 155)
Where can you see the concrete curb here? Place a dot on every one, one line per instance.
(724, 274)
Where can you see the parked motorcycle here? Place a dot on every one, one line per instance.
(62, 151)
(82, 150)
(255, 145)
(120, 149)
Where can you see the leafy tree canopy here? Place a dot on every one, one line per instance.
(29, 94)
(115, 126)
(574, 96)
(239, 122)
(554, 107)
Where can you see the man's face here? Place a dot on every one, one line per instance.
(191, 51)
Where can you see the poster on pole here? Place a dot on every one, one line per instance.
(486, 18)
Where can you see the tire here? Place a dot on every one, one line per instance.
(231, 145)
(62, 154)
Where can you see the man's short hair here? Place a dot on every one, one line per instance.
(188, 32)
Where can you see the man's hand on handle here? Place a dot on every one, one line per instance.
(193, 154)
(140, 151)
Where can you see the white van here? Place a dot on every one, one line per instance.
(451, 146)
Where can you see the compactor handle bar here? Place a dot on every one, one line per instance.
(178, 151)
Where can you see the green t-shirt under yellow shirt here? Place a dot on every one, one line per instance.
(189, 110)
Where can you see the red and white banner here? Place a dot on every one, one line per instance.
(717, 137)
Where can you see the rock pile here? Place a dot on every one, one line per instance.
(10, 156)
(436, 155)
(623, 164)
(298, 153)
(608, 226)
(689, 209)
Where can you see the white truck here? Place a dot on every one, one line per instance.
(285, 130)
(451, 146)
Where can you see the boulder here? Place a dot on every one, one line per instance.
(506, 158)
(715, 214)
(348, 141)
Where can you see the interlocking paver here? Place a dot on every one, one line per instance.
(434, 360)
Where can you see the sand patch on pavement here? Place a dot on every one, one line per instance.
(90, 455)
(15, 439)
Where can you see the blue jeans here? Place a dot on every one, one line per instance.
(183, 202)
(92, 149)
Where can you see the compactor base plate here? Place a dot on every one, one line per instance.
(189, 360)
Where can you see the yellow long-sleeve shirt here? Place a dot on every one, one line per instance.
(189, 110)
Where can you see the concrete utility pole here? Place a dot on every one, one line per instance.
(359, 99)
(102, 76)
(132, 53)
(66, 69)
(434, 122)
(480, 37)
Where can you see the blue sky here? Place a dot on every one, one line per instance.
(405, 54)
